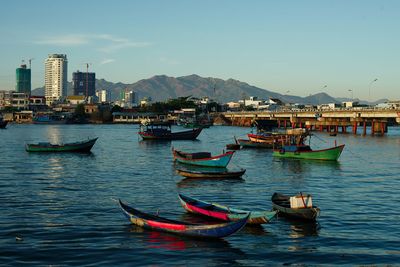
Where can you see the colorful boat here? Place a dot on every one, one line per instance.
(154, 222)
(223, 174)
(284, 205)
(83, 146)
(224, 213)
(203, 158)
(162, 131)
(305, 152)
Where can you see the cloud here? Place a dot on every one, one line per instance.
(64, 40)
(106, 42)
(107, 61)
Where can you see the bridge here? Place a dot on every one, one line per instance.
(331, 120)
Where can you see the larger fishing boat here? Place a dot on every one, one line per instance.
(162, 131)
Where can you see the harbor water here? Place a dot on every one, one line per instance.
(61, 209)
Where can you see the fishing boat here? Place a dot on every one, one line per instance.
(299, 206)
(155, 222)
(3, 123)
(82, 146)
(204, 159)
(162, 131)
(305, 152)
(224, 213)
(223, 174)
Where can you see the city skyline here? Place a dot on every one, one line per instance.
(300, 48)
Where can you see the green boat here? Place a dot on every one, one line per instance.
(82, 146)
(305, 152)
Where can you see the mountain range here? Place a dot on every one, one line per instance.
(162, 87)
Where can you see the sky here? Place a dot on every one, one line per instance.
(346, 48)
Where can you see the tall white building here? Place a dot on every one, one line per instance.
(104, 96)
(56, 71)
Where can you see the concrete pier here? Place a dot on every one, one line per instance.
(335, 121)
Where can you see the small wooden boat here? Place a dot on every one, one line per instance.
(83, 146)
(3, 123)
(203, 158)
(299, 206)
(224, 213)
(154, 222)
(162, 131)
(223, 174)
(305, 152)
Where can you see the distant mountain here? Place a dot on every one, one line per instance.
(162, 87)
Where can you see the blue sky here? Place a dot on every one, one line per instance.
(294, 47)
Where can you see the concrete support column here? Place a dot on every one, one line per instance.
(279, 123)
(321, 128)
(355, 127)
(373, 128)
(365, 128)
(383, 126)
(336, 128)
(293, 125)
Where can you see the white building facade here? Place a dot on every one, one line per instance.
(104, 96)
(56, 71)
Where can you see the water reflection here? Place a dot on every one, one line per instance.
(198, 182)
(53, 135)
(171, 242)
(299, 166)
(301, 228)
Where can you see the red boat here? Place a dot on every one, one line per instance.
(154, 222)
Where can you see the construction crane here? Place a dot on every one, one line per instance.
(30, 62)
(87, 79)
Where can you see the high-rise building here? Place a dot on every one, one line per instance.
(56, 70)
(84, 83)
(23, 79)
(104, 96)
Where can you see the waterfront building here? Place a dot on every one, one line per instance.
(84, 83)
(12, 99)
(104, 96)
(56, 70)
(23, 79)
(76, 99)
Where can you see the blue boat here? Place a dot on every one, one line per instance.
(154, 222)
(204, 159)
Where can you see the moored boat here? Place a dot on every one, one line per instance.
(162, 131)
(222, 212)
(154, 222)
(204, 159)
(3, 123)
(299, 206)
(82, 146)
(214, 174)
(305, 152)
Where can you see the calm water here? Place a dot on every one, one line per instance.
(63, 207)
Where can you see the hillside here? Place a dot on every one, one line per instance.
(162, 87)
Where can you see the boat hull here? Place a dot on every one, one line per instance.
(308, 214)
(82, 147)
(220, 161)
(183, 135)
(157, 223)
(3, 124)
(212, 174)
(224, 213)
(251, 144)
(325, 154)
